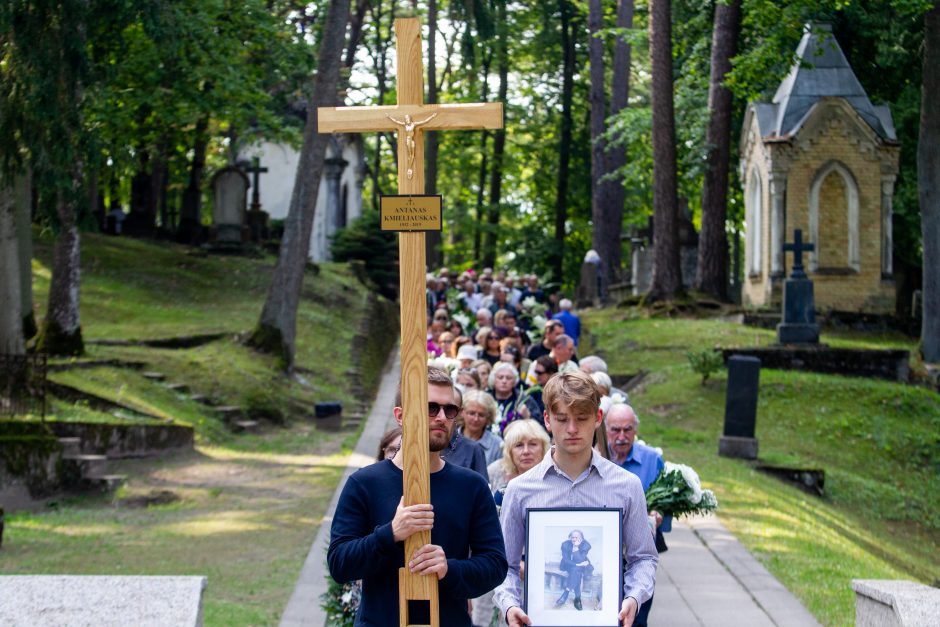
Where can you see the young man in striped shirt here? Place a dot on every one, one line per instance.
(575, 475)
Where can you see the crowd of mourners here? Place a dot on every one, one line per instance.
(500, 338)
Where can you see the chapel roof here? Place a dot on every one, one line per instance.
(821, 70)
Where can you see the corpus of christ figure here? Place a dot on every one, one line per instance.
(409, 127)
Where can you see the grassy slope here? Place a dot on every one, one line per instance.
(250, 504)
(877, 442)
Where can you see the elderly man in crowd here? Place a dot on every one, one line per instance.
(592, 364)
(621, 423)
(563, 354)
(570, 320)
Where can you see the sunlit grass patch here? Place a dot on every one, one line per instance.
(876, 440)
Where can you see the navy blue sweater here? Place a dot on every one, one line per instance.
(465, 522)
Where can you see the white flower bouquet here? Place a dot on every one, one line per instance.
(678, 492)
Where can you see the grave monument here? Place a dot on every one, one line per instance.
(738, 439)
(799, 314)
(410, 119)
(230, 189)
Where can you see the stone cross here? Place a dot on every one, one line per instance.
(798, 248)
(411, 119)
(255, 170)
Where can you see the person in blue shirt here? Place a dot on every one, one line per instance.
(371, 523)
(570, 321)
(621, 424)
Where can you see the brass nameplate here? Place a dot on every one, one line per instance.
(411, 213)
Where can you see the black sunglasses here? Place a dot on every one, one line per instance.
(450, 410)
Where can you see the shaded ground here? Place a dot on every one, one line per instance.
(243, 518)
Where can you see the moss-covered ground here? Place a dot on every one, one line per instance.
(877, 441)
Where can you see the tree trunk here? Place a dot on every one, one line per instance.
(499, 142)
(190, 227)
(277, 328)
(605, 235)
(23, 201)
(481, 182)
(564, 143)
(617, 155)
(667, 272)
(11, 319)
(432, 240)
(61, 332)
(712, 273)
(928, 183)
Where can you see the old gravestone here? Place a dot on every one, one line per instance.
(741, 408)
(230, 189)
(895, 603)
(102, 601)
(641, 275)
(799, 308)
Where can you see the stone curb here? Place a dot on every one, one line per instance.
(770, 595)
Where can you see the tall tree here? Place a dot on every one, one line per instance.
(499, 138)
(433, 240)
(667, 271)
(23, 200)
(604, 231)
(617, 154)
(928, 175)
(712, 273)
(566, 11)
(276, 330)
(11, 319)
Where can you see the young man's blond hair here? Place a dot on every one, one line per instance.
(572, 390)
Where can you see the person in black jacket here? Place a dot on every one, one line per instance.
(575, 562)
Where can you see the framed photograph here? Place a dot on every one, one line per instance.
(573, 566)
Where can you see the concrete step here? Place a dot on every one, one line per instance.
(88, 465)
(181, 388)
(200, 398)
(229, 413)
(154, 376)
(105, 483)
(71, 446)
(245, 426)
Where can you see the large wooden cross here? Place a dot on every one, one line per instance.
(410, 118)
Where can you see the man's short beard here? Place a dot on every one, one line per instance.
(437, 447)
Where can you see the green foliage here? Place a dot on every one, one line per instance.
(340, 602)
(705, 362)
(366, 241)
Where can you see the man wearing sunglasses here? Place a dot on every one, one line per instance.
(371, 523)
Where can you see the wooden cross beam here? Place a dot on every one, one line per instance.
(410, 118)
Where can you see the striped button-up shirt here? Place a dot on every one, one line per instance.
(603, 484)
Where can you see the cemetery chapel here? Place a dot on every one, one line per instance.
(822, 158)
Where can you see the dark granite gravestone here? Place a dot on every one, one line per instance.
(741, 408)
(256, 218)
(799, 315)
(329, 415)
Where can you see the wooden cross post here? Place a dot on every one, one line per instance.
(410, 118)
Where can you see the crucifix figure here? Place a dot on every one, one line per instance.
(255, 170)
(477, 116)
(409, 127)
(798, 247)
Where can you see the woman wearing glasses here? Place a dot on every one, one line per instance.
(504, 388)
(478, 416)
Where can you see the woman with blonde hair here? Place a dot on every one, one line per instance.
(525, 444)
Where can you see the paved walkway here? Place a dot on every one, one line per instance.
(705, 578)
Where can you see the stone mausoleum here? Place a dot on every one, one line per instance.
(822, 158)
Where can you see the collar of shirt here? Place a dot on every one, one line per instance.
(548, 464)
